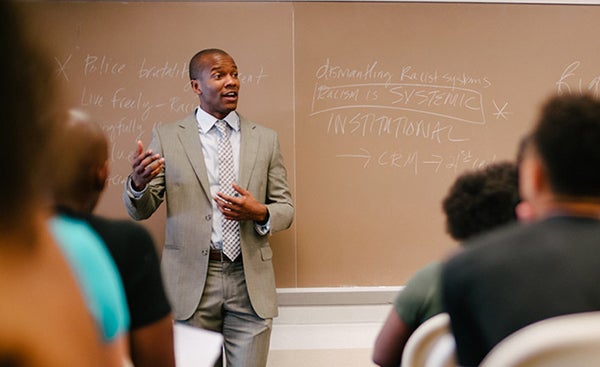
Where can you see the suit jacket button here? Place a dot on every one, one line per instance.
(205, 252)
(208, 217)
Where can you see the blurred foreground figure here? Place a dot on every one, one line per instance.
(44, 320)
(550, 266)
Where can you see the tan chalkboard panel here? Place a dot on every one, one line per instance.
(379, 106)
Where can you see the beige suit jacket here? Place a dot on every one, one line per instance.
(184, 184)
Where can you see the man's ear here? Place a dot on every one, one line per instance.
(101, 176)
(196, 86)
(540, 177)
(532, 177)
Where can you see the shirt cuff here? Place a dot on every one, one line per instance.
(263, 229)
(136, 194)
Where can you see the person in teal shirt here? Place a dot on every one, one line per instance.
(98, 278)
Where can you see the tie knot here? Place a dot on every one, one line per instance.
(223, 128)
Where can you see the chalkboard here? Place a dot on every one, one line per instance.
(378, 106)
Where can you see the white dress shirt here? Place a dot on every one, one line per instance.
(209, 137)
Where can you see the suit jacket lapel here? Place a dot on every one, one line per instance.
(190, 140)
(248, 150)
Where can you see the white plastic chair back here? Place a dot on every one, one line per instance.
(431, 345)
(570, 340)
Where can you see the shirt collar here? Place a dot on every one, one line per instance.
(206, 121)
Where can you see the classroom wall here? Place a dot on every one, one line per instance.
(378, 105)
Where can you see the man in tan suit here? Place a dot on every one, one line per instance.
(209, 287)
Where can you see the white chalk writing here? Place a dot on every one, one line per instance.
(415, 160)
(374, 124)
(102, 65)
(165, 70)
(62, 67)
(329, 71)
(570, 82)
(455, 103)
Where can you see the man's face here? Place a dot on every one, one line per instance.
(218, 85)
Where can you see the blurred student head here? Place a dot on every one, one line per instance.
(82, 169)
(560, 162)
(481, 200)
